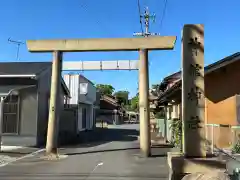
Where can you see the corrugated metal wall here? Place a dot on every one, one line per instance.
(72, 82)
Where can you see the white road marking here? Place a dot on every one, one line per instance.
(23, 157)
(99, 164)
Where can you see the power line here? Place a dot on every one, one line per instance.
(140, 16)
(163, 14)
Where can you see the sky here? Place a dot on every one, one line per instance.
(61, 19)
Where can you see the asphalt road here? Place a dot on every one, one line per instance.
(115, 157)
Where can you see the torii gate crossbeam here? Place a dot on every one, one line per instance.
(142, 44)
(100, 65)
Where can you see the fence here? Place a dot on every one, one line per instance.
(217, 135)
(161, 127)
(222, 136)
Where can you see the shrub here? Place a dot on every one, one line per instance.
(236, 147)
(176, 128)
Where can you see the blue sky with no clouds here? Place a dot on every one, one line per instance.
(40, 19)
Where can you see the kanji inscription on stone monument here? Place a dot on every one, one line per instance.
(194, 94)
(193, 101)
(194, 70)
(194, 45)
(194, 123)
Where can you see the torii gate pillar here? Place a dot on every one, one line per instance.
(144, 103)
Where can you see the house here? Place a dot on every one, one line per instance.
(83, 95)
(108, 102)
(109, 110)
(25, 88)
(222, 100)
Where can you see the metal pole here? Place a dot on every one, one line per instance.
(18, 51)
(165, 122)
(212, 146)
(18, 43)
(146, 16)
(144, 103)
(53, 119)
(1, 121)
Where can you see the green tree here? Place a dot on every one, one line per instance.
(105, 89)
(155, 86)
(134, 103)
(158, 89)
(122, 97)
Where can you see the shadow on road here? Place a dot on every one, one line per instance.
(99, 151)
(157, 151)
(13, 153)
(103, 135)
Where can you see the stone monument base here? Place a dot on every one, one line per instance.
(180, 166)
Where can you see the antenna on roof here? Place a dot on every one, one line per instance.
(18, 43)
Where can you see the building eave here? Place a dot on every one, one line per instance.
(18, 75)
(65, 88)
(208, 69)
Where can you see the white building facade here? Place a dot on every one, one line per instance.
(83, 94)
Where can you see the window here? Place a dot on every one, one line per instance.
(10, 115)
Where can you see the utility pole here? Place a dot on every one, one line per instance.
(145, 139)
(18, 43)
(147, 17)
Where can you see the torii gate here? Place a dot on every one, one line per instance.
(114, 44)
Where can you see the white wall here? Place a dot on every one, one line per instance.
(90, 120)
(74, 83)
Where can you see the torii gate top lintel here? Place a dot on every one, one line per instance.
(102, 44)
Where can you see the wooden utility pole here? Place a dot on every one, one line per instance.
(53, 119)
(144, 103)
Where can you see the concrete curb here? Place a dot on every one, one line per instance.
(157, 142)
